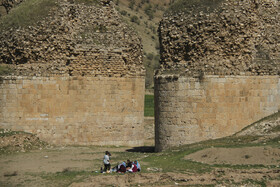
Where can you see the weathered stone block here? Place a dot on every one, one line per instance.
(83, 115)
(228, 108)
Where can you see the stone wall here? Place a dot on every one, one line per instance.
(75, 110)
(74, 39)
(189, 109)
(76, 76)
(220, 68)
(221, 37)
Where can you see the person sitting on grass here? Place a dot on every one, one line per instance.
(131, 167)
(137, 165)
(122, 167)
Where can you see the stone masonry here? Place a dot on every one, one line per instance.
(222, 37)
(189, 110)
(75, 110)
(220, 68)
(76, 77)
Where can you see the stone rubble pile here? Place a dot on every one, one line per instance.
(234, 38)
(11, 141)
(75, 39)
(262, 128)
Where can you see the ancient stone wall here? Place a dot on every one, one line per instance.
(189, 110)
(220, 68)
(75, 110)
(74, 39)
(76, 77)
(221, 37)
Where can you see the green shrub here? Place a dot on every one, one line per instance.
(131, 4)
(149, 11)
(149, 105)
(123, 12)
(5, 70)
(135, 19)
(150, 56)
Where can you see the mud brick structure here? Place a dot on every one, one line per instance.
(220, 68)
(76, 77)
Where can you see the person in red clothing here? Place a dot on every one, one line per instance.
(134, 168)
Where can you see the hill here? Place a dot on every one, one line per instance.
(144, 16)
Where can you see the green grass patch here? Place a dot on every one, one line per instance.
(27, 13)
(172, 160)
(64, 178)
(200, 6)
(87, 2)
(250, 182)
(149, 106)
(5, 70)
(8, 132)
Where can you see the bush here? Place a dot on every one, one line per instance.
(131, 4)
(123, 12)
(5, 70)
(149, 11)
(135, 19)
(150, 56)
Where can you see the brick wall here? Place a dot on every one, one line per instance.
(189, 109)
(75, 110)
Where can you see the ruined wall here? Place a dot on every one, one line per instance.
(74, 39)
(189, 110)
(221, 37)
(76, 77)
(75, 110)
(220, 69)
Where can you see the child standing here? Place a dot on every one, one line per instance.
(106, 161)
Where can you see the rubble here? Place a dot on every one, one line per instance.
(226, 37)
(75, 39)
(12, 141)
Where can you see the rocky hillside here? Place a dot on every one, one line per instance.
(221, 37)
(76, 37)
(144, 16)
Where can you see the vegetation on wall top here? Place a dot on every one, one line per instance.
(27, 13)
(194, 5)
(5, 70)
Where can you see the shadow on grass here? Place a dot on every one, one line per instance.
(142, 149)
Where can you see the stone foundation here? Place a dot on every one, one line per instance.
(189, 110)
(75, 110)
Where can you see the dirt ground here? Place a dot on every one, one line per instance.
(26, 161)
(179, 179)
(238, 156)
(27, 169)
